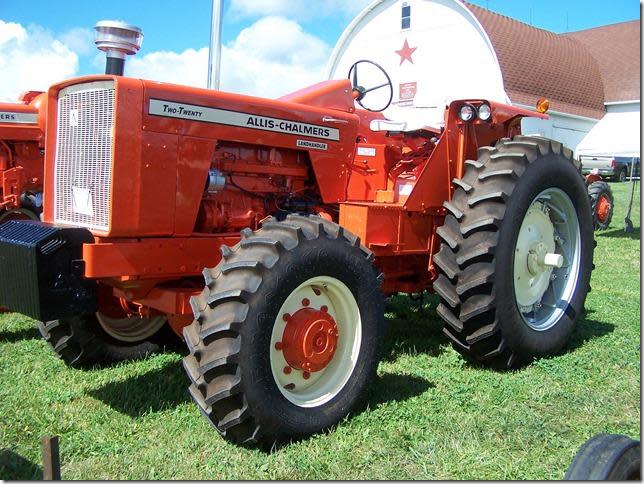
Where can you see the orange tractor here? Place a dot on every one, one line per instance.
(602, 202)
(22, 144)
(148, 187)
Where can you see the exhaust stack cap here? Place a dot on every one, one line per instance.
(117, 39)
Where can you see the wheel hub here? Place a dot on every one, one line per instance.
(130, 329)
(602, 209)
(315, 341)
(310, 339)
(535, 256)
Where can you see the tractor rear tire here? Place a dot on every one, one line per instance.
(602, 204)
(238, 366)
(490, 314)
(607, 457)
(81, 342)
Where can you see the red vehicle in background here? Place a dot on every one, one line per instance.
(22, 143)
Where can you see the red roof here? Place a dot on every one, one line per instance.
(577, 71)
(616, 48)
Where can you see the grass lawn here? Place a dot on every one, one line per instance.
(430, 415)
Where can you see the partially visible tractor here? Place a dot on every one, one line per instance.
(22, 131)
(148, 187)
(596, 170)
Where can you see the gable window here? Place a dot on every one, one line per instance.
(406, 17)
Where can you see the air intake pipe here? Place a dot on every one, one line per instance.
(117, 39)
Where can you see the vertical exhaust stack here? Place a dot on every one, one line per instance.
(117, 39)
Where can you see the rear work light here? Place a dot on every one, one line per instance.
(467, 112)
(485, 112)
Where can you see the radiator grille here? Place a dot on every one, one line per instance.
(84, 153)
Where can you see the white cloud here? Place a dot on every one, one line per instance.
(270, 58)
(297, 9)
(250, 64)
(79, 40)
(188, 67)
(32, 59)
(11, 31)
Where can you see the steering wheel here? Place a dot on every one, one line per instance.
(359, 92)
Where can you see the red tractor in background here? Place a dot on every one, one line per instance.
(602, 202)
(148, 185)
(22, 143)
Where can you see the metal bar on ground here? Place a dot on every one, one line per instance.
(50, 458)
(629, 229)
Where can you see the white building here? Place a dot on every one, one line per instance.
(440, 50)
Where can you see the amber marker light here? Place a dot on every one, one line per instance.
(543, 105)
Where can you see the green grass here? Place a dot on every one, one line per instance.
(430, 415)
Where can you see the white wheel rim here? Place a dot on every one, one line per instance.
(131, 329)
(547, 259)
(325, 384)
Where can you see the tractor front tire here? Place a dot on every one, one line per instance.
(287, 332)
(516, 253)
(602, 204)
(81, 342)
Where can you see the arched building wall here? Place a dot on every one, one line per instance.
(435, 51)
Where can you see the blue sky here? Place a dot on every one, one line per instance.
(181, 29)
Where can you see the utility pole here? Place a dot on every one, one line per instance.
(214, 59)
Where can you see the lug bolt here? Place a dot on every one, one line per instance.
(306, 375)
(324, 309)
(286, 317)
(287, 370)
(305, 302)
(278, 346)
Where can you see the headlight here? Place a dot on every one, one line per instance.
(485, 112)
(467, 112)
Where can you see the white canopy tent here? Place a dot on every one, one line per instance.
(617, 134)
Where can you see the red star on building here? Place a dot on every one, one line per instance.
(406, 52)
